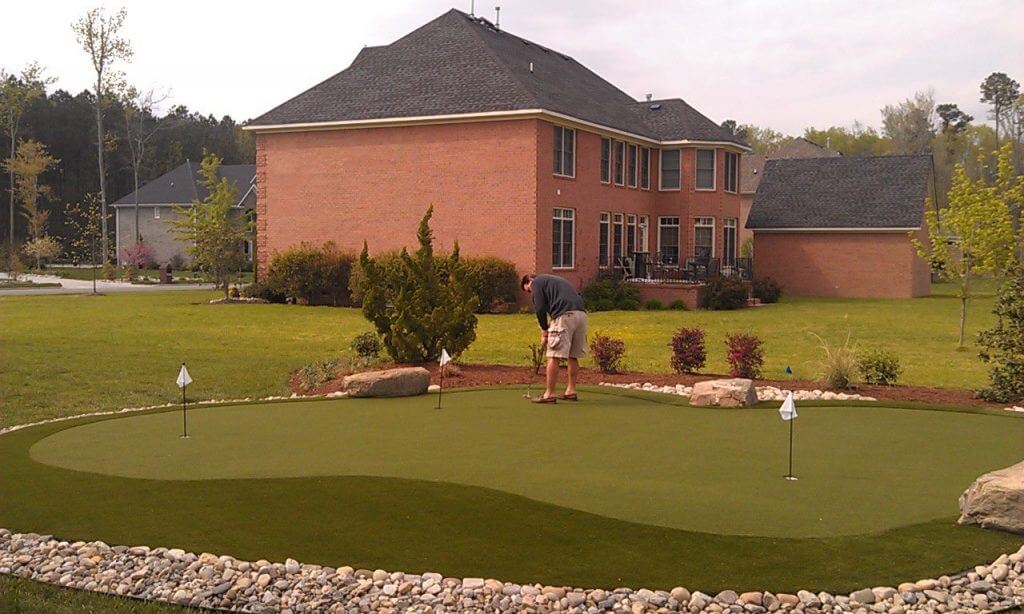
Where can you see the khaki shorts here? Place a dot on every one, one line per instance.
(567, 335)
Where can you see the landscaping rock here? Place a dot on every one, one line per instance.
(404, 382)
(996, 500)
(735, 392)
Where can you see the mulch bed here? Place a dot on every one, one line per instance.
(474, 375)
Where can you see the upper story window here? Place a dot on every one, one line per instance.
(631, 165)
(620, 154)
(645, 168)
(606, 160)
(732, 168)
(670, 169)
(563, 238)
(564, 162)
(705, 169)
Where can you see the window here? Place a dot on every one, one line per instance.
(631, 162)
(668, 239)
(606, 160)
(620, 153)
(617, 237)
(670, 170)
(729, 241)
(564, 151)
(645, 168)
(602, 241)
(704, 237)
(642, 233)
(732, 167)
(563, 238)
(705, 169)
(156, 213)
(630, 235)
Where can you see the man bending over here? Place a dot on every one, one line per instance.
(566, 337)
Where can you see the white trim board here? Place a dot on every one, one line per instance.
(846, 230)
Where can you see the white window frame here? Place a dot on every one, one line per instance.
(618, 221)
(571, 174)
(645, 177)
(661, 170)
(606, 219)
(714, 169)
(565, 213)
(608, 166)
(642, 228)
(727, 224)
(156, 213)
(704, 221)
(736, 172)
(678, 227)
(632, 176)
(630, 232)
(615, 149)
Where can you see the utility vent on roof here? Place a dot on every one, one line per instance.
(655, 107)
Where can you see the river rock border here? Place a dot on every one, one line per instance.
(764, 393)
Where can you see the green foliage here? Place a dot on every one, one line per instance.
(607, 352)
(878, 366)
(608, 294)
(857, 140)
(318, 373)
(839, 365)
(745, 355)
(653, 305)
(767, 289)
(911, 124)
(747, 248)
(678, 305)
(497, 283)
(263, 290)
(367, 345)
(42, 249)
(688, 351)
(1003, 344)
(725, 293)
(214, 232)
(423, 303)
(312, 275)
(536, 356)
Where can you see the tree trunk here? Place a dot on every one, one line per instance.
(963, 320)
(104, 242)
(135, 169)
(11, 188)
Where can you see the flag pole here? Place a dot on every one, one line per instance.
(440, 386)
(790, 476)
(184, 414)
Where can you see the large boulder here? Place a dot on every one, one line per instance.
(996, 500)
(736, 392)
(405, 382)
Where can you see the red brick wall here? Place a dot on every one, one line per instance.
(375, 184)
(862, 264)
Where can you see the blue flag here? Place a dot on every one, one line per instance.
(788, 370)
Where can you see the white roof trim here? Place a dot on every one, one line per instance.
(864, 229)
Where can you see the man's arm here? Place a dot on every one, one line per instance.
(540, 307)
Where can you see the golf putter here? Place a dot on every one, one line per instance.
(529, 382)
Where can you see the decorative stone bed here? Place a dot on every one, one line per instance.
(764, 393)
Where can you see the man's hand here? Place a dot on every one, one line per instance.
(543, 338)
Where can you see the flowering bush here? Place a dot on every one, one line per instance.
(41, 249)
(745, 355)
(688, 353)
(607, 353)
(139, 256)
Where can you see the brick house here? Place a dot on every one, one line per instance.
(158, 200)
(841, 226)
(524, 152)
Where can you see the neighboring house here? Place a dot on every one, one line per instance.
(524, 153)
(752, 168)
(178, 187)
(841, 226)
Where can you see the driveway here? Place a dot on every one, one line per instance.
(80, 286)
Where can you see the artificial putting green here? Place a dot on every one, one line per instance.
(622, 488)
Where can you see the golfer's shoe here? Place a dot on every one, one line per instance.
(569, 397)
(543, 400)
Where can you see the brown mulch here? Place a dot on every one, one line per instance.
(500, 375)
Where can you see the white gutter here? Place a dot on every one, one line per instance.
(864, 229)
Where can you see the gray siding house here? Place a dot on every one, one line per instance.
(158, 198)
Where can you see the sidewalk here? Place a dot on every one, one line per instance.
(84, 286)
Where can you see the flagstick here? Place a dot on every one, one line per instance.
(184, 415)
(440, 387)
(790, 475)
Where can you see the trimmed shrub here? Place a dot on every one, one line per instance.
(497, 281)
(653, 305)
(139, 256)
(840, 364)
(688, 352)
(366, 345)
(1003, 344)
(879, 367)
(420, 304)
(607, 352)
(259, 289)
(724, 293)
(745, 355)
(312, 275)
(607, 294)
(678, 305)
(767, 289)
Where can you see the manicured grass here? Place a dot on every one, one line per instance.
(19, 596)
(70, 354)
(432, 522)
(698, 469)
(85, 273)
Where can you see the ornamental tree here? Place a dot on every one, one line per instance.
(1003, 344)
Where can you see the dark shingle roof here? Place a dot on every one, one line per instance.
(751, 171)
(842, 192)
(461, 64)
(752, 165)
(183, 184)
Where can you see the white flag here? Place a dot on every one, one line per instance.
(445, 358)
(788, 409)
(184, 379)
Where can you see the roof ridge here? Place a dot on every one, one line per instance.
(494, 56)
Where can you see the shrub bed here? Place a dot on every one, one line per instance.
(312, 275)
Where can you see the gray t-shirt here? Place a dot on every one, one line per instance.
(553, 296)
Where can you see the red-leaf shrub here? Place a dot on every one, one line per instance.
(745, 355)
(139, 255)
(688, 354)
(607, 353)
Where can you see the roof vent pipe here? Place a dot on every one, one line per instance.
(531, 67)
(649, 96)
(472, 8)
(497, 18)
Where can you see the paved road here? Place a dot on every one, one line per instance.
(79, 286)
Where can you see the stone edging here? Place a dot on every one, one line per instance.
(764, 393)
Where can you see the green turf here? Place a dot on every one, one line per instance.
(421, 525)
(19, 596)
(613, 454)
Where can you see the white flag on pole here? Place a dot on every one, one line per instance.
(184, 379)
(445, 358)
(788, 409)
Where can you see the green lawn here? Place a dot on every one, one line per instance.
(85, 273)
(19, 596)
(63, 355)
(623, 488)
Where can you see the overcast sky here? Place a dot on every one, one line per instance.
(783, 64)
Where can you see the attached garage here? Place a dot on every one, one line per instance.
(841, 226)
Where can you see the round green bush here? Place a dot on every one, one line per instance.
(367, 345)
(767, 289)
(653, 305)
(678, 305)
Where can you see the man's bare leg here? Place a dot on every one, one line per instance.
(574, 369)
(551, 377)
